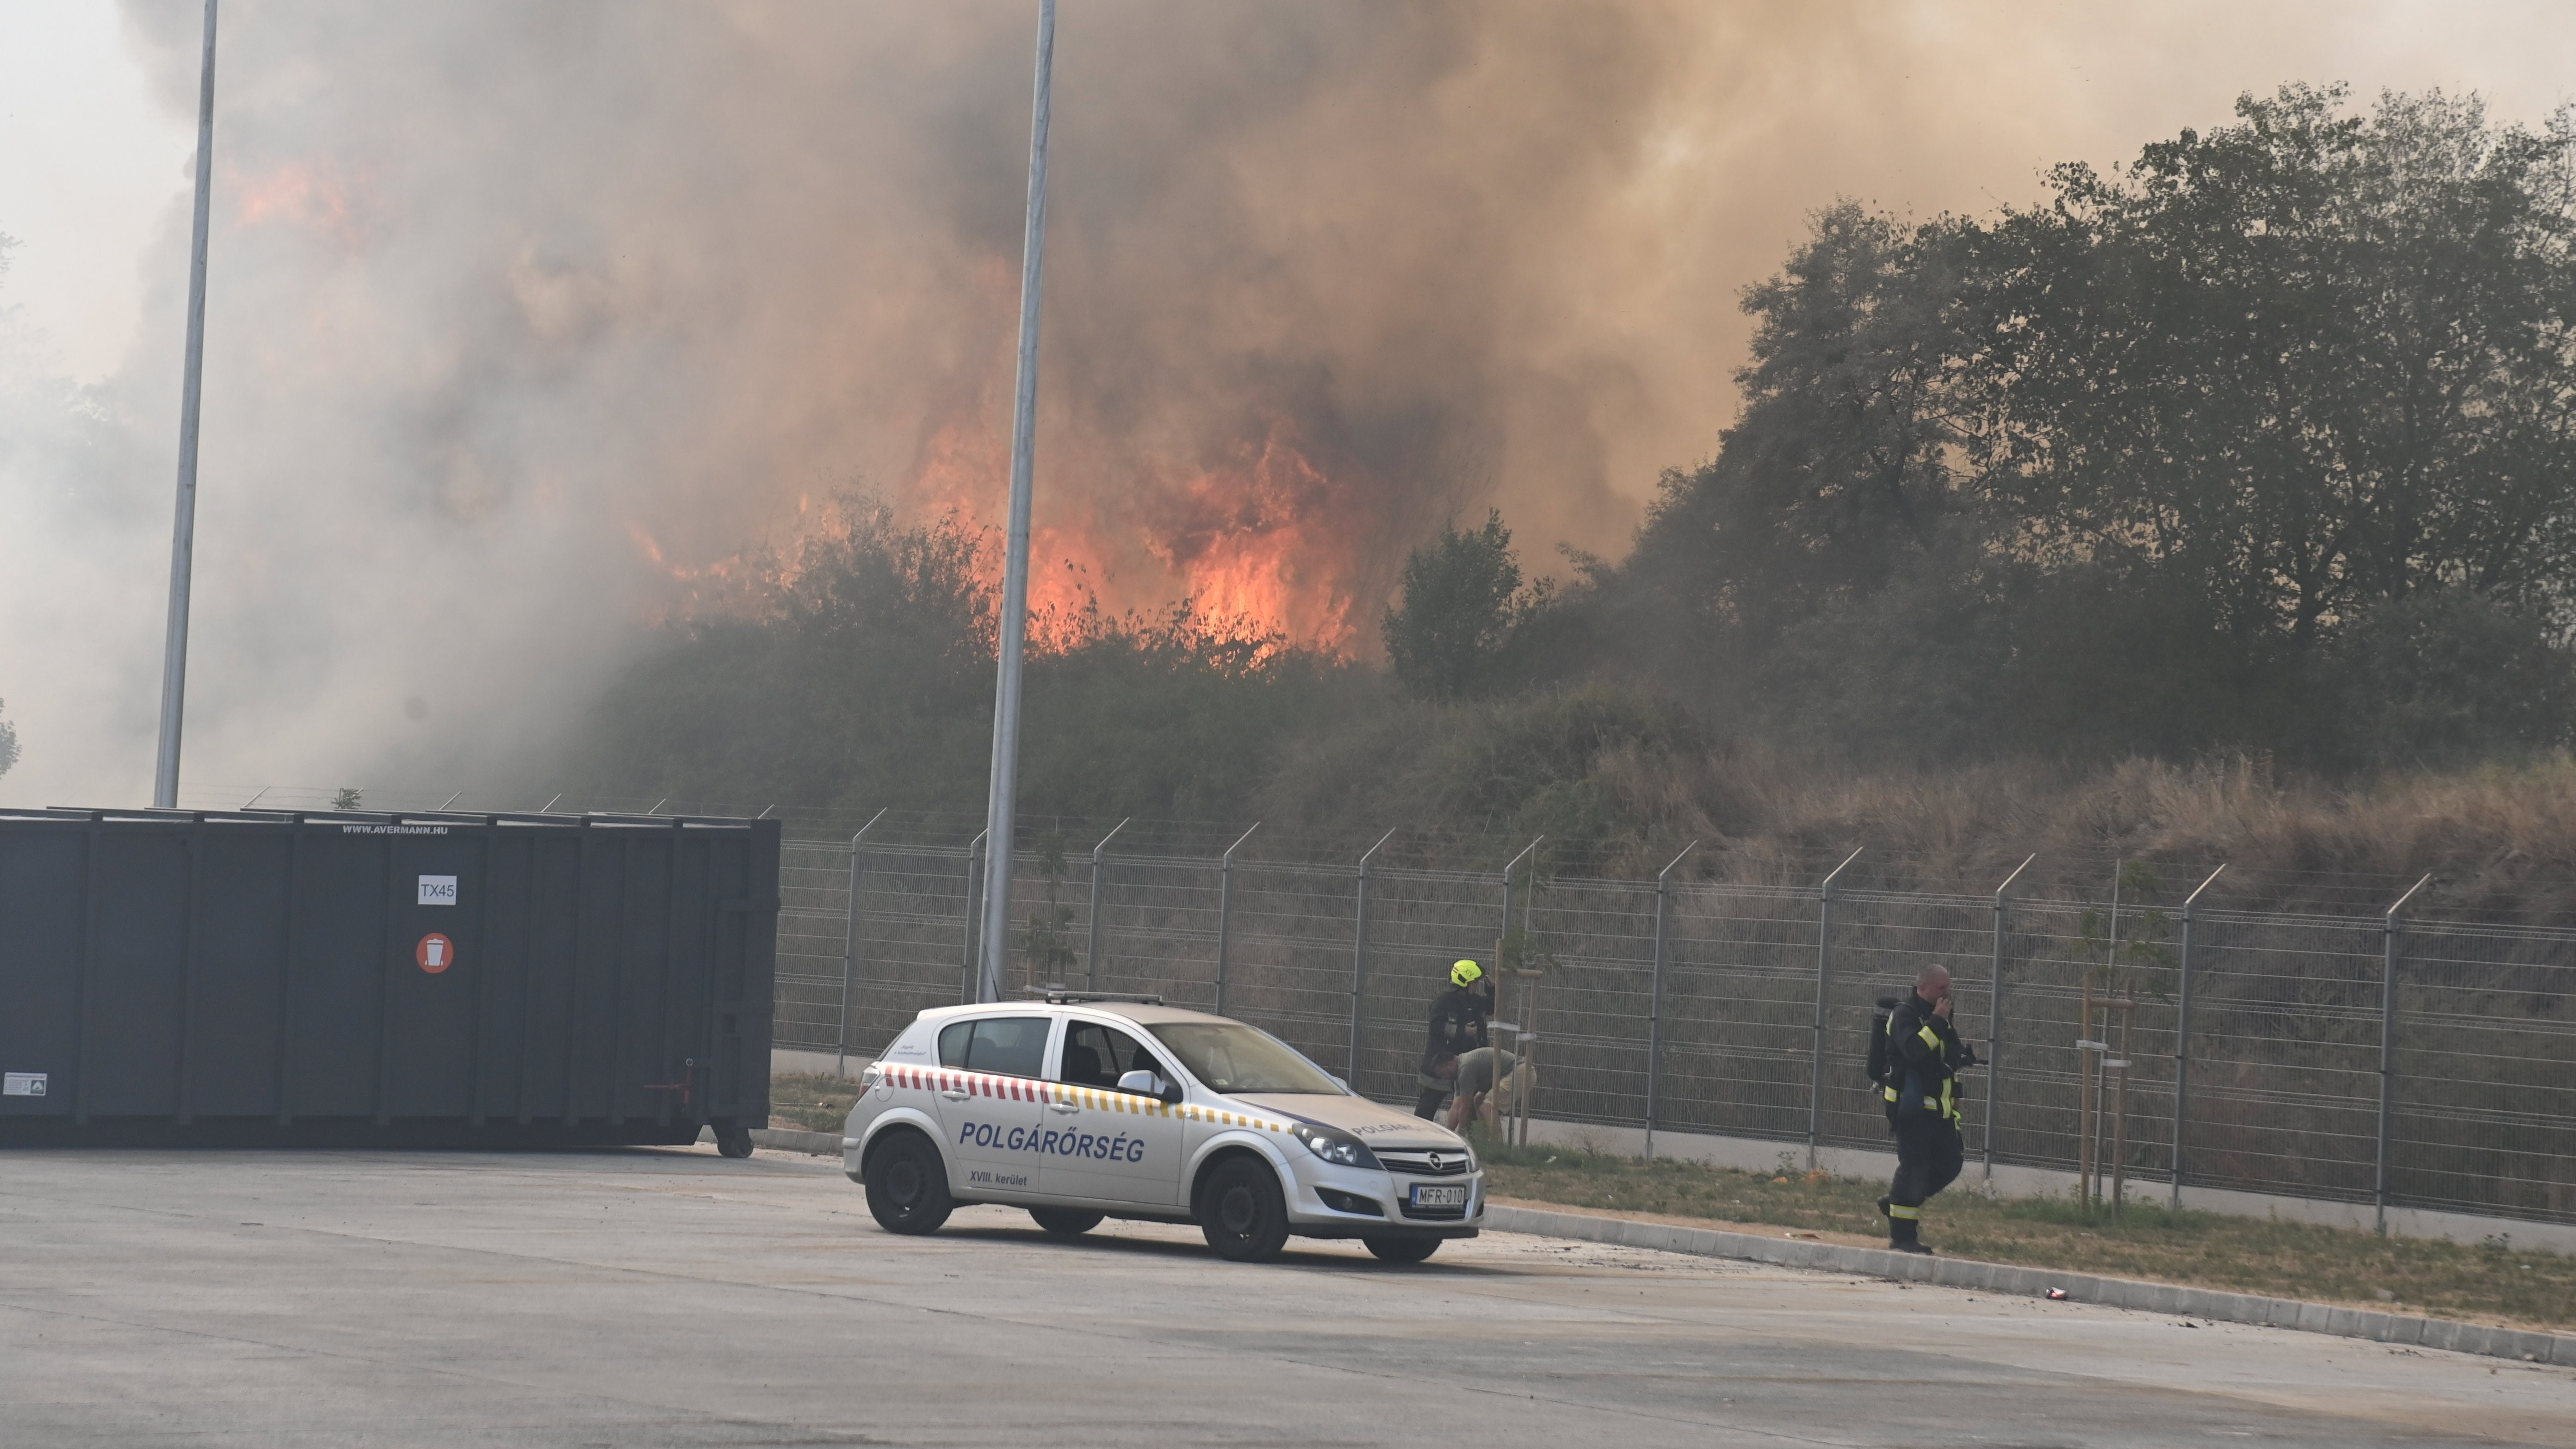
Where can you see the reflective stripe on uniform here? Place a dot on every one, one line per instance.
(1930, 1037)
(1900, 1210)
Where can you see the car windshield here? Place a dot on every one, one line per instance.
(1231, 1057)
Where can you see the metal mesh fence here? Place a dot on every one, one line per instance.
(1752, 1018)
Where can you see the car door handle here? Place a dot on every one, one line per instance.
(953, 1095)
(1062, 1107)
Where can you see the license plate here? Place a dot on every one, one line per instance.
(1428, 1196)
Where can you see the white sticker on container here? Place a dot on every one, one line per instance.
(438, 890)
(22, 1084)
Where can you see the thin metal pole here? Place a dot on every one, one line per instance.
(1004, 793)
(1225, 909)
(2099, 1067)
(1359, 956)
(2388, 1050)
(2182, 1041)
(1091, 949)
(967, 973)
(1995, 1015)
(1824, 972)
(850, 943)
(1655, 992)
(1508, 868)
(183, 530)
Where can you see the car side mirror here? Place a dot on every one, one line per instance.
(1149, 1084)
(1338, 1082)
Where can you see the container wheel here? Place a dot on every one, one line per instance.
(1401, 1247)
(733, 1141)
(1242, 1212)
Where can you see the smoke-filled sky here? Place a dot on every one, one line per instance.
(524, 315)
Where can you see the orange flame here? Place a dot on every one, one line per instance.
(1260, 542)
(1263, 540)
(298, 193)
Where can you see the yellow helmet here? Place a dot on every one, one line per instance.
(1466, 973)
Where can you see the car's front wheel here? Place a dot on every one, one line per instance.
(1065, 1222)
(1242, 1211)
(1401, 1247)
(908, 1185)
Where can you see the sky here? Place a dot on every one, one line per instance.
(526, 319)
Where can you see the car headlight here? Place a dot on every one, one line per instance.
(1336, 1147)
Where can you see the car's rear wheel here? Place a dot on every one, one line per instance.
(1242, 1212)
(733, 1141)
(1401, 1247)
(908, 1185)
(1065, 1222)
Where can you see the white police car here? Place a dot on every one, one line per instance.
(1081, 1107)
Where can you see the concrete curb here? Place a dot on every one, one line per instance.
(2208, 1303)
(780, 1139)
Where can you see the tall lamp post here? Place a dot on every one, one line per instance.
(183, 532)
(1002, 800)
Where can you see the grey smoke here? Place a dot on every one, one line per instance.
(510, 298)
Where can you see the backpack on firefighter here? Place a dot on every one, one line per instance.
(1884, 1064)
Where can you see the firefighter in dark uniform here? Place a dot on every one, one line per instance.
(1925, 1057)
(1458, 1016)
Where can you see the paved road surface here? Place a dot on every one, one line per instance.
(671, 1298)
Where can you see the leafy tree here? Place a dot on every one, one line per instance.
(1844, 462)
(2313, 361)
(1463, 605)
(2121, 473)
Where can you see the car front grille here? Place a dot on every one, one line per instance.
(1417, 1162)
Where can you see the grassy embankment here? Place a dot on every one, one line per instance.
(810, 1101)
(2490, 1282)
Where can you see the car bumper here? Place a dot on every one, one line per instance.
(1328, 1201)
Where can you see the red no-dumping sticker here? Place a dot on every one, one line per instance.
(435, 953)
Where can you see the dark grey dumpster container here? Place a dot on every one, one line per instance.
(395, 980)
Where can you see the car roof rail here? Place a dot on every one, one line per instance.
(1062, 996)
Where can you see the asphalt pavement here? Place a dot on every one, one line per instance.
(673, 1298)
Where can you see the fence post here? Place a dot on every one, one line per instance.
(1655, 993)
(1512, 865)
(966, 993)
(1091, 949)
(2182, 1040)
(1995, 1018)
(850, 946)
(1359, 958)
(1224, 908)
(2388, 1048)
(1824, 972)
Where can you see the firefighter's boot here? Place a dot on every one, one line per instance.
(1904, 1225)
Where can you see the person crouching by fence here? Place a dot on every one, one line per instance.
(1479, 1072)
(1458, 1017)
(1922, 1056)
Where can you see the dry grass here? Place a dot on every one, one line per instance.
(2490, 1282)
(2500, 842)
(810, 1101)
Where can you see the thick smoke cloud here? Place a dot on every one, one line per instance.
(525, 316)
